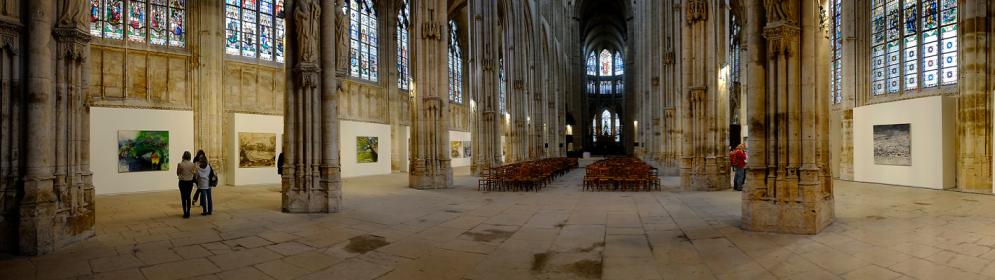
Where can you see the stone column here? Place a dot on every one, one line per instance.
(311, 171)
(207, 46)
(487, 131)
(974, 114)
(704, 164)
(788, 187)
(11, 131)
(430, 162)
(56, 208)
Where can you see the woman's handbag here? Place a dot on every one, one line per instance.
(213, 179)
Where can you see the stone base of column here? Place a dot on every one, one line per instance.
(787, 217)
(421, 180)
(42, 227)
(710, 177)
(313, 194)
(809, 210)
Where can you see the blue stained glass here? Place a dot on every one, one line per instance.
(929, 14)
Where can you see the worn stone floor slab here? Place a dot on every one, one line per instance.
(387, 231)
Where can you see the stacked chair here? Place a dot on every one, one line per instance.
(621, 174)
(525, 176)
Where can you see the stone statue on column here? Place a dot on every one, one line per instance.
(341, 39)
(307, 16)
(73, 14)
(777, 10)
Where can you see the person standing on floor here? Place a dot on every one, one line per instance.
(206, 179)
(738, 162)
(196, 161)
(186, 171)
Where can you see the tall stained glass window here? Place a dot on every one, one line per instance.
(502, 87)
(914, 44)
(403, 62)
(619, 70)
(606, 63)
(255, 29)
(363, 39)
(155, 22)
(836, 39)
(455, 66)
(592, 64)
(606, 122)
(618, 129)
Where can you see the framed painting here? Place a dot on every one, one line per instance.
(367, 149)
(142, 151)
(256, 150)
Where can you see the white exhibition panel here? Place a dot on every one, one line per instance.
(104, 126)
(348, 131)
(459, 136)
(932, 134)
(256, 124)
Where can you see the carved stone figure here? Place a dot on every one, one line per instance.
(341, 39)
(73, 14)
(776, 10)
(307, 16)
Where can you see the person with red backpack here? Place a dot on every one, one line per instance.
(737, 160)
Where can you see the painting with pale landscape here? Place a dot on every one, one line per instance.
(893, 144)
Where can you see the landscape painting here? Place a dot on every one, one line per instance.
(367, 149)
(256, 150)
(893, 145)
(142, 150)
(456, 147)
(467, 149)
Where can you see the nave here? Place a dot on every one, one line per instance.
(389, 231)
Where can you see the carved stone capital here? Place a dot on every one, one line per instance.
(433, 30)
(309, 75)
(698, 94)
(697, 11)
(781, 37)
(73, 43)
(9, 36)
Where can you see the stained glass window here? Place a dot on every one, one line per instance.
(619, 70)
(836, 41)
(403, 74)
(157, 22)
(255, 29)
(618, 129)
(363, 54)
(455, 66)
(606, 122)
(914, 44)
(592, 64)
(606, 63)
(502, 87)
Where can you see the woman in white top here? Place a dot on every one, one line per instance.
(205, 181)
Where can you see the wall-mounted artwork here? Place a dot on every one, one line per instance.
(367, 149)
(142, 150)
(256, 150)
(893, 144)
(467, 149)
(456, 147)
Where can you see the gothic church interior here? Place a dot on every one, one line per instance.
(498, 139)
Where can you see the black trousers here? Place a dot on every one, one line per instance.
(185, 189)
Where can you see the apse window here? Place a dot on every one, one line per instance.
(914, 45)
(255, 29)
(154, 22)
(835, 89)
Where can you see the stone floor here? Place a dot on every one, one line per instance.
(390, 232)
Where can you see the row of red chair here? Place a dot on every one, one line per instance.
(621, 174)
(525, 176)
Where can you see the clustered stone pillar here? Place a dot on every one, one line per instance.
(788, 186)
(56, 207)
(311, 171)
(11, 96)
(974, 115)
(487, 131)
(704, 164)
(430, 162)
